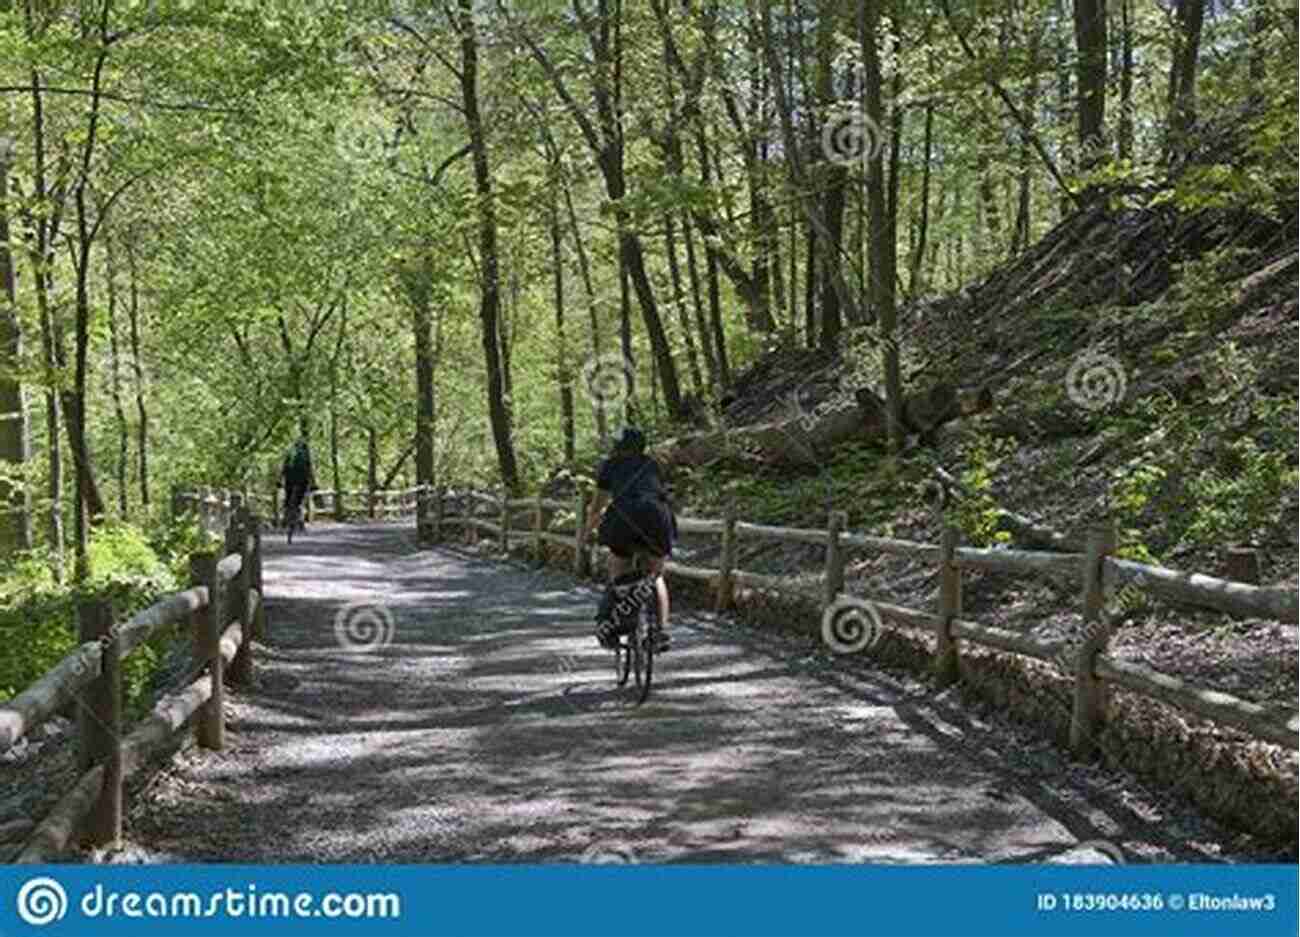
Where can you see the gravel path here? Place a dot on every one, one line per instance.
(488, 729)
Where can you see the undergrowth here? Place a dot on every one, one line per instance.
(38, 616)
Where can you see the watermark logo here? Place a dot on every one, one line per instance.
(364, 627)
(41, 901)
(364, 135)
(843, 397)
(597, 854)
(852, 137)
(1096, 381)
(608, 379)
(850, 625)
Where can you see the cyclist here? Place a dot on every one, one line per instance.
(633, 515)
(298, 478)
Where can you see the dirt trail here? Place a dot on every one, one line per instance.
(488, 729)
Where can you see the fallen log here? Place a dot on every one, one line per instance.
(806, 439)
(1029, 533)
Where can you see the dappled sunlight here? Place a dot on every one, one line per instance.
(489, 728)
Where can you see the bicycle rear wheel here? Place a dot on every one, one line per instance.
(645, 642)
(622, 663)
(637, 652)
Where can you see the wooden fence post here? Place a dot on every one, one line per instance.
(946, 668)
(727, 562)
(209, 726)
(241, 665)
(1243, 565)
(538, 555)
(339, 510)
(505, 523)
(1090, 694)
(439, 509)
(99, 721)
(834, 556)
(259, 614)
(580, 559)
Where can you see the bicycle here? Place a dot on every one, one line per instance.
(293, 521)
(634, 654)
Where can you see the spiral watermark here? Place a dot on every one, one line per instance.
(852, 137)
(597, 854)
(361, 135)
(41, 901)
(850, 625)
(608, 379)
(364, 627)
(1096, 381)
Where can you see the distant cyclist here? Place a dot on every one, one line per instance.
(297, 477)
(632, 511)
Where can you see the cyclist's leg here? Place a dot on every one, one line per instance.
(656, 568)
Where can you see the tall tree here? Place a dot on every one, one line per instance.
(1090, 45)
(15, 509)
(489, 274)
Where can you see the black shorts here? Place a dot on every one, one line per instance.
(641, 526)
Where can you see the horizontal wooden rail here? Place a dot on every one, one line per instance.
(786, 534)
(1100, 573)
(224, 608)
(698, 525)
(169, 715)
(1018, 562)
(1236, 598)
(1219, 707)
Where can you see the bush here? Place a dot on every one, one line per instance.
(38, 617)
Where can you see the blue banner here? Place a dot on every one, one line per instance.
(600, 900)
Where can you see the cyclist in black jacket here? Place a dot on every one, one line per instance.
(633, 514)
(297, 476)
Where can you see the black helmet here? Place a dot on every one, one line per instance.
(630, 440)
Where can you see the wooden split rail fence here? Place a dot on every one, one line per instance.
(1098, 572)
(223, 608)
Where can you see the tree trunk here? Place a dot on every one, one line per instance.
(584, 270)
(1063, 103)
(914, 283)
(1125, 141)
(490, 300)
(336, 473)
(15, 506)
(833, 182)
(372, 469)
(1020, 239)
(422, 324)
(625, 340)
(115, 384)
(697, 303)
(1189, 15)
(808, 440)
(563, 373)
(883, 239)
(679, 300)
(142, 414)
(1090, 43)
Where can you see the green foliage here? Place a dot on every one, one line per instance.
(977, 516)
(38, 618)
(1131, 493)
(1239, 496)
